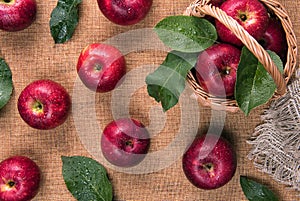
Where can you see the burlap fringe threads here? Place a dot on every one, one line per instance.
(276, 142)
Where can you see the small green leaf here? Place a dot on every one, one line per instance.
(167, 82)
(255, 191)
(86, 179)
(186, 33)
(6, 83)
(254, 85)
(64, 20)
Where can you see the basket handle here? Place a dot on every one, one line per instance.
(204, 8)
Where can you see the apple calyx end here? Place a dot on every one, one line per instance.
(209, 168)
(7, 2)
(226, 71)
(98, 67)
(9, 185)
(243, 17)
(37, 107)
(129, 143)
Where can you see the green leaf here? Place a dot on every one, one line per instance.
(254, 85)
(6, 83)
(64, 20)
(167, 82)
(86, 179)
(255, 191)
(186, 33)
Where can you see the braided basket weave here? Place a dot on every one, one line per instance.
(201, 8)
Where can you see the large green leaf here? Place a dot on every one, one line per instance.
(86, 179)
(255, 191)
(186, 33)
(254, 85)
(6, 83)
(167, 82)
(64, 20)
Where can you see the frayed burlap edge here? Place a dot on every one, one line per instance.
(276, 142)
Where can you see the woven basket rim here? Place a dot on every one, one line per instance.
(200, 8)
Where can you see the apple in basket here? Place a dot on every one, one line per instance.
(216, 3)
(44, 104)
(125, 12)
(101, 67)
(250, 14)
(125, 142)
(19, 179)
(16, 15)
(210, 162)
(274, 39)
(216, 69)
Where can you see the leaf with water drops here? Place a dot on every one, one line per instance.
(64, 20)
(167, 82)
(255, 191)
(86, 179)
(186, 33)
(6, 83)
(254, 85)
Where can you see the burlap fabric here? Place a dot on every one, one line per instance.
(33, 55)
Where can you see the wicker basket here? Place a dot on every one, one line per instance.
(200, 8)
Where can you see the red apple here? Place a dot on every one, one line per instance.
(19, 179)
(125, 142)
(16, 15)
(250, 14)
(216, 3)
(44, 104)
(216, 69)
(210, 162)
(125, 12)
(101, 67)
(274, 39)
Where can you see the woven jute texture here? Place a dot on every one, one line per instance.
(32, 54)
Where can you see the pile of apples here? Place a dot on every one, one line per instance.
(216, 67)
(209, 162)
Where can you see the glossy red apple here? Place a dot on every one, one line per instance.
(19, 179)
(101, 67)
(216, 3)
(16, 15)
(274, 39)
(125, 142)
(210, 162)
(125, 12)
(44, 104)
(216, 69)
(250, 14)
